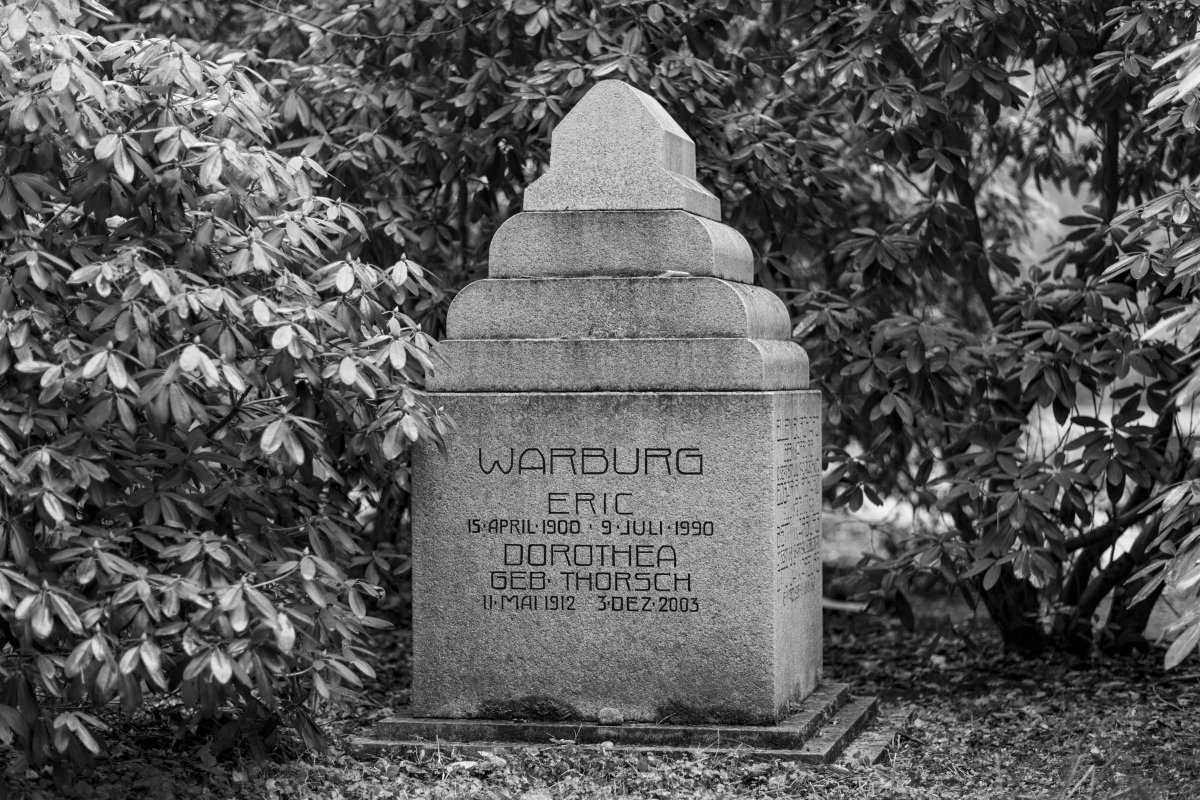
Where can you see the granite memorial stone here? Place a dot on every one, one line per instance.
(625, 525)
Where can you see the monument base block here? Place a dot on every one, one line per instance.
(650, 555)
(817, 730)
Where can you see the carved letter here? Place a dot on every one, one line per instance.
(694, 464)
(540, 466)
(637, 462)
(659, 452)
(496, 463)
(592, 454)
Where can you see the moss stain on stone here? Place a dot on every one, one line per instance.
(530, 707)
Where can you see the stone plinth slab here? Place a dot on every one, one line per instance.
(616, 308)
(618, 244)
(827, 726)
(582, 365)
(619, 149)
(656, 554)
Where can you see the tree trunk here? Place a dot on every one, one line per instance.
(978, 270)
(1013, 605)
(1126, 628)
(1073, 633)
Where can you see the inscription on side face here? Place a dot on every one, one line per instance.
(798, 497)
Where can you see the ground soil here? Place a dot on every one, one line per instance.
(983, 724)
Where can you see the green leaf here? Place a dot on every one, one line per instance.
(344, 280)
(273, 436)
(357, 607)
(151, 657)
(347, 371)
(392, 446)
(220, 665)
(210, 170)
(53, 506)
(309, 732)
(1182, 646)
(130, 660)
(41, 622)
(293, 447)
(189, 359)
(80, 730)
(262, 313)
(64, 611)
(992, 577)
(18, 25)
(283, 336)
(958, 81)
(285, 634)
(85, 274)
(1139, 266)
(397, 354)
(123, 164)
(116, 372)
(61, 77)
(95, 365)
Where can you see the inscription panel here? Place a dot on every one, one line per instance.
(593, 546)
(609, 549)
(797, 527)
(797, 438)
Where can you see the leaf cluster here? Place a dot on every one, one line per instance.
(889, 163)
(203, 385)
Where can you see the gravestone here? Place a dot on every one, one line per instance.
(625, 524)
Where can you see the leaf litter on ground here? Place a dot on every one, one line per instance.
(983, 723)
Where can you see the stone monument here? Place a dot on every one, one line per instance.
(625, 524)
(627, 516)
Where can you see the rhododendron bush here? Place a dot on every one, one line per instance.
(201, 388)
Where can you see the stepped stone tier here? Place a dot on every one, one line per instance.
(619, 244)
(625, 523)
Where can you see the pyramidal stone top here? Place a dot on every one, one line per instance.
(619, 150)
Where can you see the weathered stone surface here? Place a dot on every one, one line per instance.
(618, 243)
(610, 716)
(818, 731)
(616, 308)
(619, 149)
(804, 720)
(625, 525)
(552, 515)
(631, 365)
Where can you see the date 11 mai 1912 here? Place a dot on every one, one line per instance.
(600, 602)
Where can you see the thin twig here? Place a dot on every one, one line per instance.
(221, 423)
(1165, 701)
(1191, 676)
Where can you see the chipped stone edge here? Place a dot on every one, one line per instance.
(719, 250)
